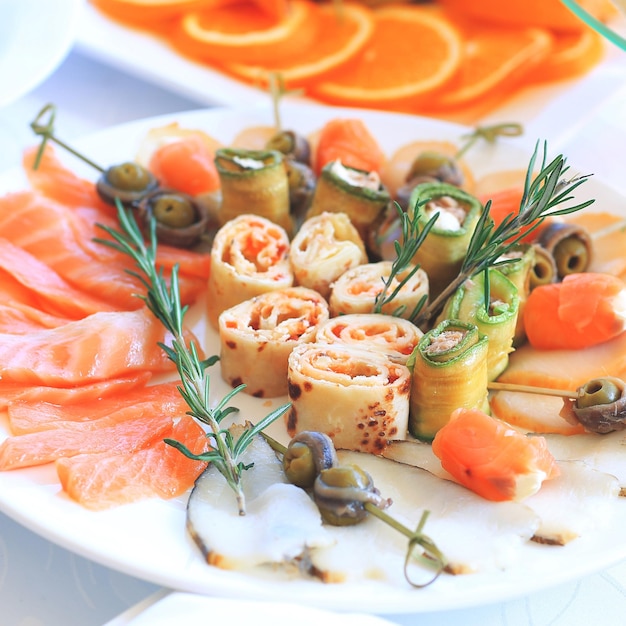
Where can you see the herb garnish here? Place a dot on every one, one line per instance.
(489, 243)
(412, 238)
(164, 303)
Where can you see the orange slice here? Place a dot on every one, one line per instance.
(573, 54)
(495, 62)
(341, 35)
(411, 53)
(241, 32)
(538, 13)
(143, 12)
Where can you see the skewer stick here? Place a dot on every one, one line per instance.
(545, 391)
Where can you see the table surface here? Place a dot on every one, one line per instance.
(44, 584)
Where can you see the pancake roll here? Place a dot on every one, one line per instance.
(250, 256)
(257, 336)
(325, 247)
(359, 398)
(355, 291)
(392, 336)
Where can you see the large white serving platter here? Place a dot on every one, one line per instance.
(35, 37)
(148, 539)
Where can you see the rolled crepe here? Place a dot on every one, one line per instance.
(249, 257)
(355, 291)
(386, 334)
(257, 336)
(357, 397)
(325, 247)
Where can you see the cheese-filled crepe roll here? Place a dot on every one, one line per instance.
(325, 247)
(358, 193)
(444, 248)
(250, 256)
(449, 371)
(359, 398)
(253, 181)
(257, 336)
(355, 291)
(387, 334)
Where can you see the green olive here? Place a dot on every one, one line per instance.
(284, 142)
(346, 476)
(129, 177)
(544, 269)
(291, 144)
(571, 256)
(437, 165)
(299, 465)
(598, 391)
(173, 210)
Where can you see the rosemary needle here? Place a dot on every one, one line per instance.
(164, 303)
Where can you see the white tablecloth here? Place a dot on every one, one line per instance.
(43, 584)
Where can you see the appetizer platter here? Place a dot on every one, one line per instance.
(148, 538)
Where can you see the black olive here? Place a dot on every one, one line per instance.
(436, 165)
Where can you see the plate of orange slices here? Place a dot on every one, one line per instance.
(435, 58)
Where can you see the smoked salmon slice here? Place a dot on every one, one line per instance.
(34, 416)
(59, 238)
(20, 319)
(100, 481)
(48, 289)
(126, 430)
(99, 347)
(55, 181)
(66, 396)
(491, 458)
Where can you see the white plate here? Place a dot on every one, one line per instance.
(149, 58)
(177, 608)
(148, 539)
(35, 37)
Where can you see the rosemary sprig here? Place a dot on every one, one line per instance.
(489, 243)
(165, 304)
(412, 238)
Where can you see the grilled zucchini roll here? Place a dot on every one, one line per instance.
(250, 256)
(257, 336)
(496, 318)
(449, 371)
(325, 247)
(359, 398)
(254, 181)
(357, 193)
(519, 271)
(442, 252)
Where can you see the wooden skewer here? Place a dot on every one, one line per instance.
(545, 391)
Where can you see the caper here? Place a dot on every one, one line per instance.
(129, 176)
(341, 493)
(307, 454)
(438, 165)
(173, 210)
(598, 391)
(571, 256)
(299, 465)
